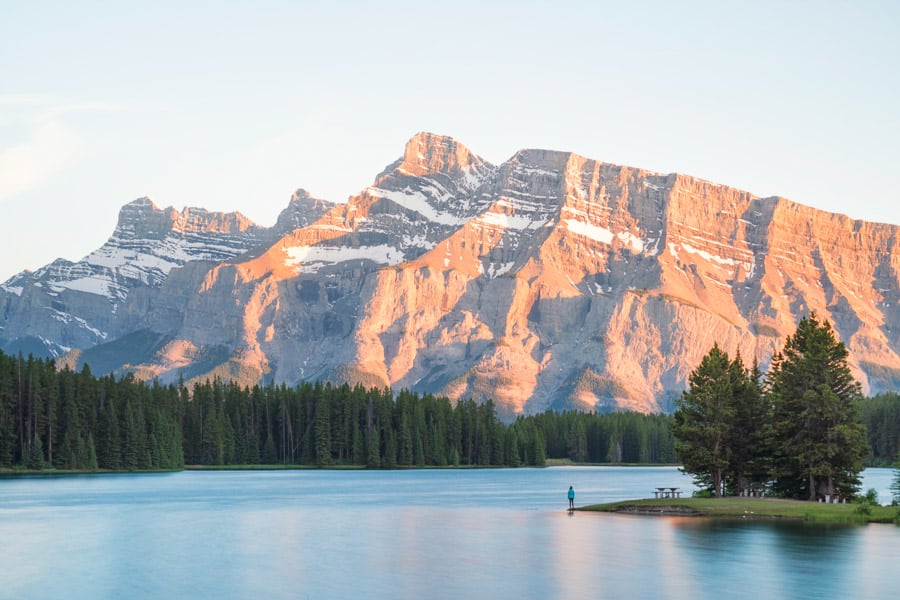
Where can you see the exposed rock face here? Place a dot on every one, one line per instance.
(551, 280)
(69, 305)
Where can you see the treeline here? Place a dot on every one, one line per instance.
(67, 420)
(881, 415)
(323, 424)
(627, 437)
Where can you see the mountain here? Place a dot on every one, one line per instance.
(549, 281)
(66, 305)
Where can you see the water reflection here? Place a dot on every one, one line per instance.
(413, 534)
(767, 559)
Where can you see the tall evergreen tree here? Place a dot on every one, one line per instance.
(819, 443)
(323, 432)
(703, 420)
(749, 448)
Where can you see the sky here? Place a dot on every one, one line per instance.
(234, 105)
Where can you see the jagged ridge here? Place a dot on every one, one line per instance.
(551, 280)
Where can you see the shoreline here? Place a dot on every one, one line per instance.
(15, 471)
(751, 508)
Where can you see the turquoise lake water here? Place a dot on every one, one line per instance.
(498, 533)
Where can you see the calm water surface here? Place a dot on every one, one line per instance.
(413, 534)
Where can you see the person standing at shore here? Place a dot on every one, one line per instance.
(571, 497)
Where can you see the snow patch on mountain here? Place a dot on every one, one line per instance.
(593, 232)
(417, 202)
(495, 270)
(510, 221)
(68, 318)
(309, 259)
(99, 285)
(12, 289)
(708, 256)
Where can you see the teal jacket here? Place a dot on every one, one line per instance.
(571, 494)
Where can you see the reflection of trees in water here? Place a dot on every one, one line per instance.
(775, 558)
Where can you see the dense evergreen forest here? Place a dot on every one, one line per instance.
(66, 420)
(60, 419)
(881, 416)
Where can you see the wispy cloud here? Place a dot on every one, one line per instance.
(23, 166)
(46, 144)
(52, 103)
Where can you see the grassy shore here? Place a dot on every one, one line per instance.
(753, 508)
(567, 462)
(272, 467)
(23, 471)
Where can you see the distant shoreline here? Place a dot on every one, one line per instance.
(550, 463)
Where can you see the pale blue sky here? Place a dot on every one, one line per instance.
(234, 105)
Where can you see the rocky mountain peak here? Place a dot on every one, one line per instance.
(136, 212)
(550, 281)
(429, 153)
(550, 160)
(143, 219)
(302, 211)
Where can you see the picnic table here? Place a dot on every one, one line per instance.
(667, 492)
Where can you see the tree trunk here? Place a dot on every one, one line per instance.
(812, 485)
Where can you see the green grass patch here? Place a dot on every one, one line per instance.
(269, 467)
(752, 508)
(568, 462)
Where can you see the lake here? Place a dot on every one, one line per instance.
(466, 533)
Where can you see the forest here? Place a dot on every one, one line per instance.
(60, 419)
(881, 416)
(65, 420)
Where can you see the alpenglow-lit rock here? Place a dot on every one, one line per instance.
(550, 281)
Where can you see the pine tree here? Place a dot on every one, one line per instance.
(539, 451)
(390, 451)
(91, 463)
(270, 452)
(373, 451)
(748, 440)
(703, 418)
(819, 443)
(323, 433)
(512, 448)
(36, 460)
(576, 441)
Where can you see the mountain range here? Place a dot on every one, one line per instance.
(549, 281)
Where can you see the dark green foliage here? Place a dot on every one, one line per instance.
(818, 441)
(749, 439)
(595, 438)
(802, 437)
(720, 425)
(67, 420)
(881, 415)
(703, 421)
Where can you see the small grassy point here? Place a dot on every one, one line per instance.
(752, 508)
